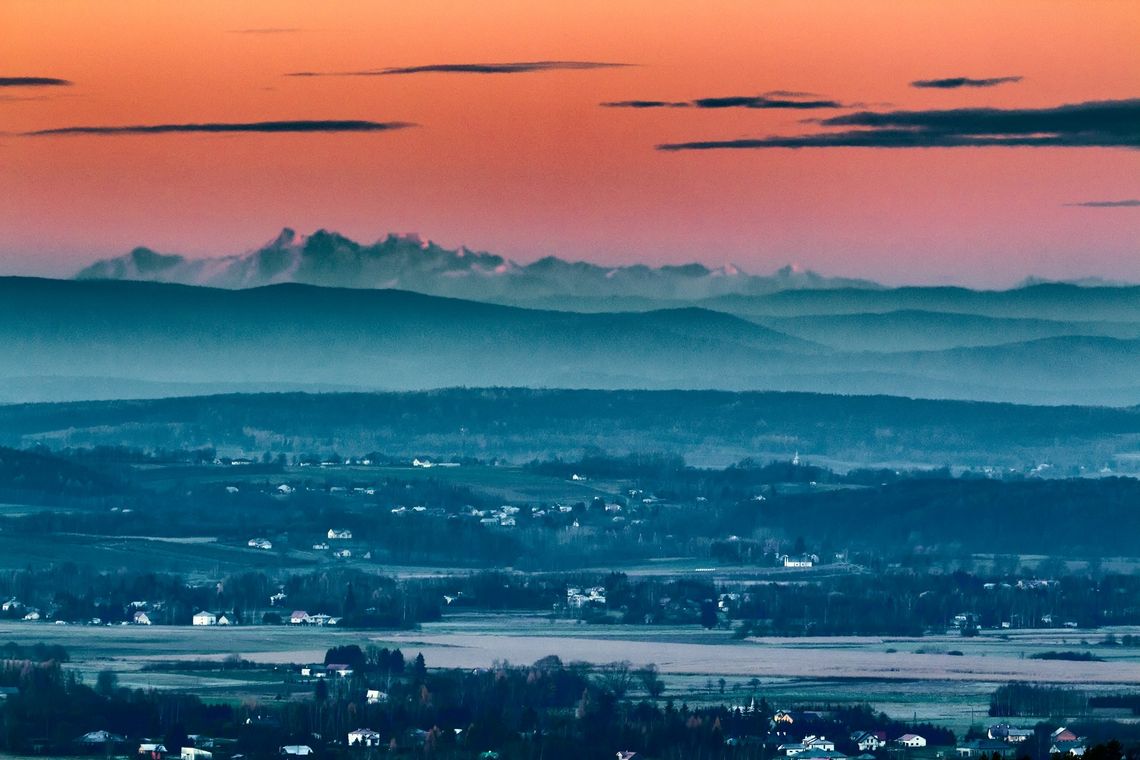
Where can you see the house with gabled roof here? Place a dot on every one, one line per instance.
(363, 737)
(985, 748)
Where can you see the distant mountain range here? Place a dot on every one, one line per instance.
(63, 339)
(408, 263)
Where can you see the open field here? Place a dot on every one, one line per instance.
(906, 677)
(508, 483)
(195, 558)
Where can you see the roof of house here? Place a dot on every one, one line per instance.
(100, 736)
(1065, 746)
(987, 745)
(821, 754)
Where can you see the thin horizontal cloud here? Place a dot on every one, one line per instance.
(1099, 124)
(1126, 203)
(269, 127)
(33, 82)
(518, 67)
(646, 104)
(776, 99)
(954, 83)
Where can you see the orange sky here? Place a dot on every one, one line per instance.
(528, 164)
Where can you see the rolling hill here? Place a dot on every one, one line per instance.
(518, 424)
(82, 338)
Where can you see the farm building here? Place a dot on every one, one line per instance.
(363, 737)
(985, 748)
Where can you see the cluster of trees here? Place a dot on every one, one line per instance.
(973, 515)
(79, 593)
(37, 477)
(1016, 699)
(38, 652)
(550, 709)
(884, 603)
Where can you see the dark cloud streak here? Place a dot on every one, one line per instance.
(954, 83)
(265, 127)
(1099, 124)
(777, 99)
(33, 82)
(762, 101)
(1126, 203)
(523, 67)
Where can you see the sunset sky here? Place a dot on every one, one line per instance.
(484, 124)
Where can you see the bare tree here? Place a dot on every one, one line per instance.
(651, 681)
(616, 677)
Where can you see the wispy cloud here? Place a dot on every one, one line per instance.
(1100, 124)
(1126, 203)
(518, 67)
(646, 104)
(777, 99)
(763, 101)
(271, 127)
(954, 83)
(33, 82)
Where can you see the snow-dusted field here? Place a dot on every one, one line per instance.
(905, 676)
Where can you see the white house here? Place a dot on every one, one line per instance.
(1007, 733)
(376, 697)
(817, 743)
(12, 605)
(259, 543)
(141, 618)
(1074, 748)
(342, 534)
(911, 740)
(194, 753)
(299, 617)
(363, 737)
(205, 618)
(296, 750)
(869, 741)
(577, 598)
(223, 620)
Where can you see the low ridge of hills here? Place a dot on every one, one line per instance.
(175, 338)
